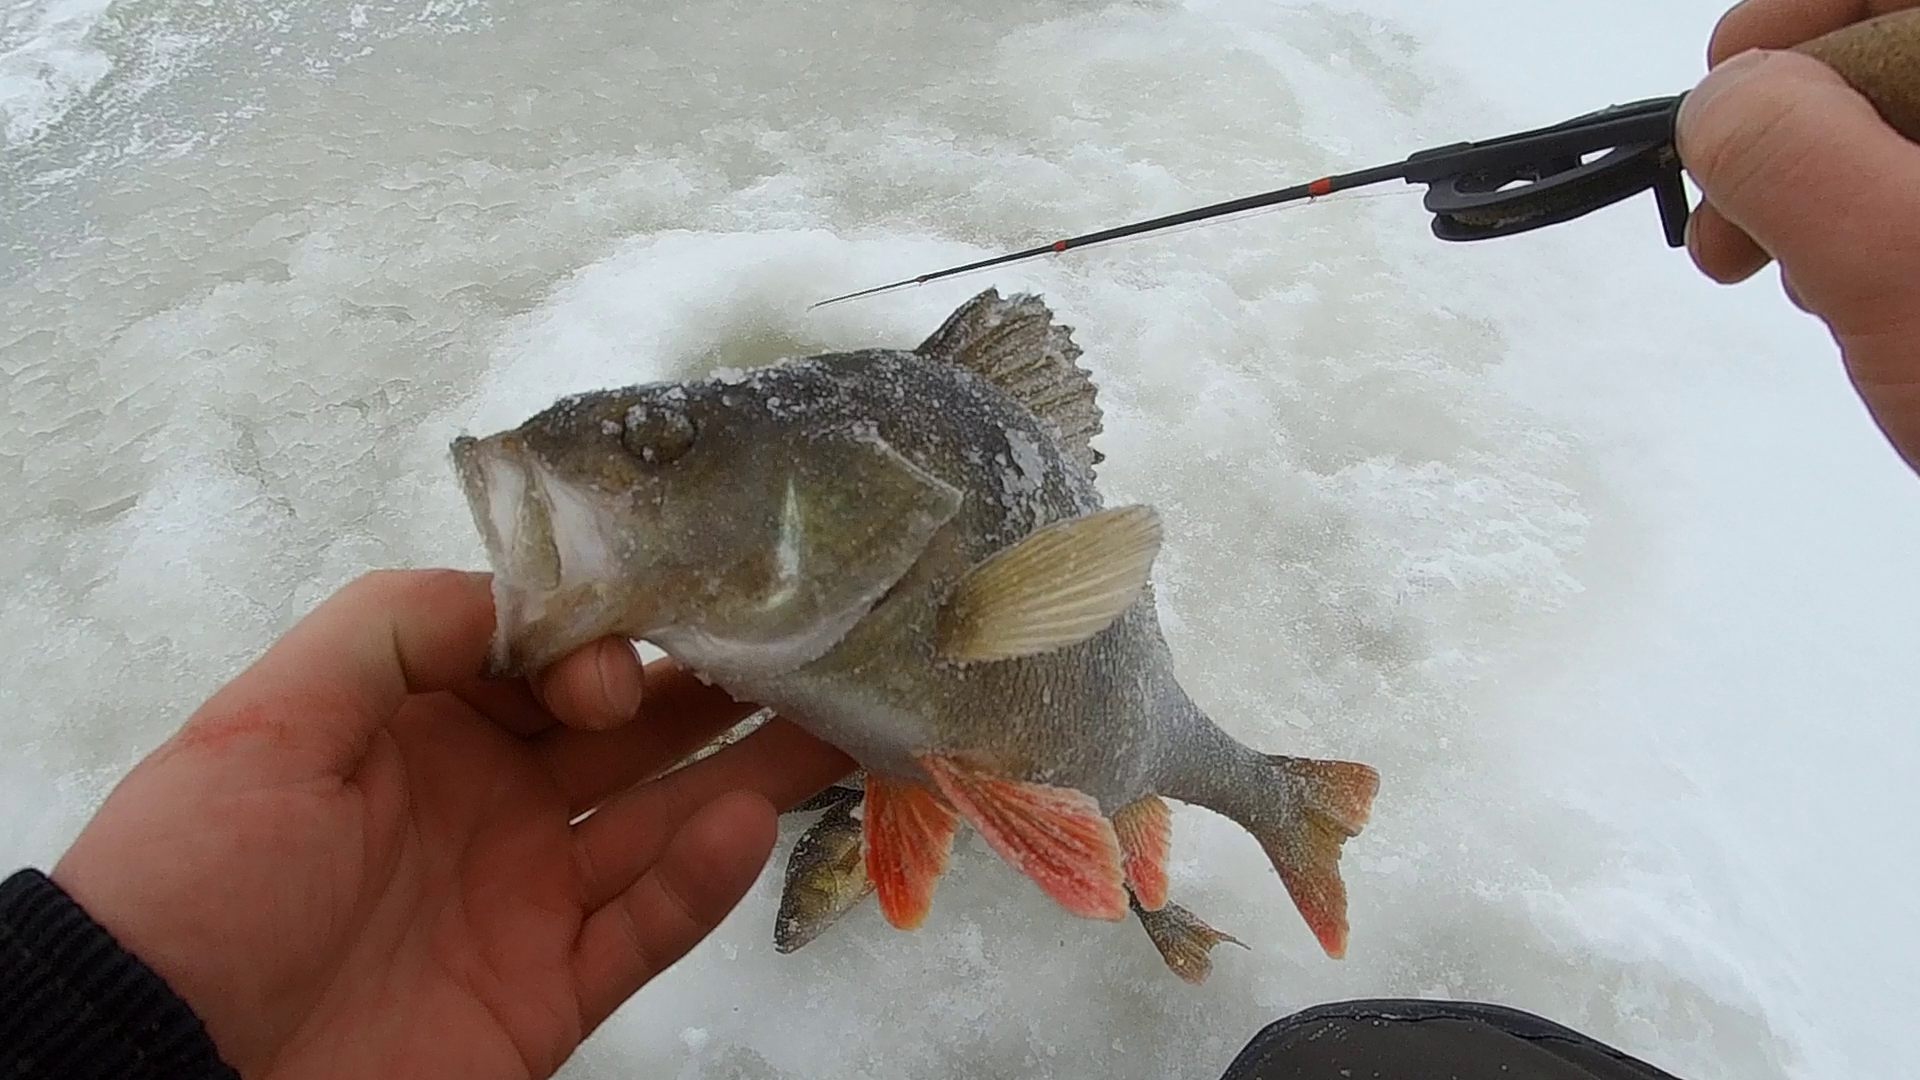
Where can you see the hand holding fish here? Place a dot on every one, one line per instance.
(357, 857)
(1797, 166)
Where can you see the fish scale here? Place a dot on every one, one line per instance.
(909, 557)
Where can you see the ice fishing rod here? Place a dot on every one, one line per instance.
(1475, 190)
(1517, 183)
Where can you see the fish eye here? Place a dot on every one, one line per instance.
(656, 435)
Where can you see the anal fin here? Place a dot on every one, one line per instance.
(1056, 836)
(907, 835)
(1145, 831)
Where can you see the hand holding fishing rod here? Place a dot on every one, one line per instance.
(1796, 167)
(1756, 105)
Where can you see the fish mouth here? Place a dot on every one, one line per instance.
(551, 547)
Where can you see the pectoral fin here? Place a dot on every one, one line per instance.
(1054, 835)
(1058, 587)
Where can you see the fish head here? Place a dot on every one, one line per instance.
(743, 539)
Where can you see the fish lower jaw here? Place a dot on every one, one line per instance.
(533, 628)
(554, 568)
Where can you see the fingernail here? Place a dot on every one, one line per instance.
(620, 681)
(1718, 81)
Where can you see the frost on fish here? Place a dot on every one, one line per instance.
(826, 878)
(905, 553)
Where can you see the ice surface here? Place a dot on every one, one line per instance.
(1601, 566)
(46, 63)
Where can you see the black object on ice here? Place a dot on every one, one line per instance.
(1475, 190)
(1428, 1040)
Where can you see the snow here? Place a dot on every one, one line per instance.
(1601, 565)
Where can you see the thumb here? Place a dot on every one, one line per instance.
(1790, 155)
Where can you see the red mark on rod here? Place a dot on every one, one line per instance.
(1059, 245)
(1323, 186)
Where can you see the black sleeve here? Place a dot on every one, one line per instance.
(75, 1005)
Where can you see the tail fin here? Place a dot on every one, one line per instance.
(1330, 801)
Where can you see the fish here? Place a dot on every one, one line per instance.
(905, 552)
(826, 871)
(826, 878)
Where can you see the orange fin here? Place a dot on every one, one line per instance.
(1340, 790)
(1054, 835)
(1184, 939)
(1145, 830)
(1333, 799)
(907, 833)
(1309, 867)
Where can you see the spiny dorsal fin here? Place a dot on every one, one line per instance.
(1015, 344)
(1056, 587)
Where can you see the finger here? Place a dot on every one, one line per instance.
(1779, 24)
(1720, 249)
(701, 875)
(510, 703)
(595, 688)
(780, 763)
(357, 656)
(1793, 292)
(683, 714)
(1776, 141)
